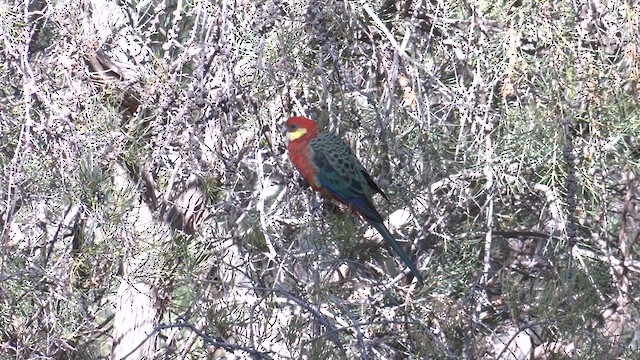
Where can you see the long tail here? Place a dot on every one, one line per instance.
(396, 247)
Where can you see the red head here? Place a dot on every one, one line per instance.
(300, 128)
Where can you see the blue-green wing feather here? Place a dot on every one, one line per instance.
(344, 177)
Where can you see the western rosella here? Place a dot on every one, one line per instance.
(330, 168)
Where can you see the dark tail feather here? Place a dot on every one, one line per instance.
(396, 247)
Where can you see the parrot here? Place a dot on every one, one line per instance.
(329, 166)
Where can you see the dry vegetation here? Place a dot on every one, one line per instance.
(148, 208)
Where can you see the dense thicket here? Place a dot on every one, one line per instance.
(148, 208)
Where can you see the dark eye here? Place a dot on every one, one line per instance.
(293, 126)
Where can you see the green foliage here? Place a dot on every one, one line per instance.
(143, 168)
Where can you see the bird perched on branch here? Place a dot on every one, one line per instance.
(327, 164)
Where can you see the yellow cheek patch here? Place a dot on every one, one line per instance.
(296, 134)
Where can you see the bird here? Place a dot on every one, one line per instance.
(330, 168)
